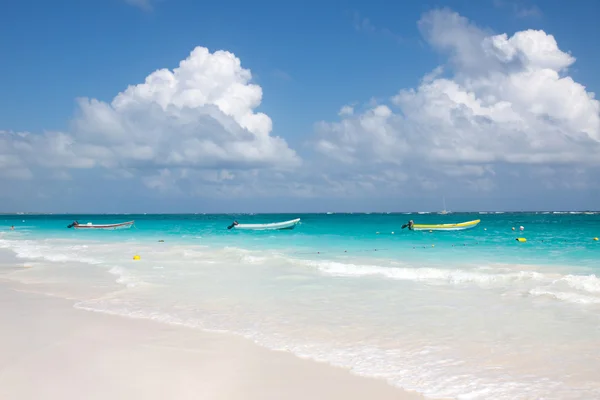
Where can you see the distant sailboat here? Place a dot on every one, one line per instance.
(444, 211)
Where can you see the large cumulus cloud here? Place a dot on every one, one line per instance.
(502, 107)
(196, 118)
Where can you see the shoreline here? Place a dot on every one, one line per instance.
(53, 350)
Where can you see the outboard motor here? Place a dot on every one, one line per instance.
(409, 225)
(232, 225)
(72, 224)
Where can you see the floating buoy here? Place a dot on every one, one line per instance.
(136, 257)
(377, 233)
(485, 229)
(430, 231)
(521, 240)
(596, 239)
(392, 233)
(513, 228)
(433, 245)
(521, 228)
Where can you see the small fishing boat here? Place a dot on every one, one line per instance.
(446, 227)
(89, 225)
(270, 226)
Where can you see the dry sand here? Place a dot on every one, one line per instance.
(50, 350)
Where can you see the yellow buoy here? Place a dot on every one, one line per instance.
(596, 239)
(136, 257)
(521, 240)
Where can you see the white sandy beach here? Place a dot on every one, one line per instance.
(51, 350)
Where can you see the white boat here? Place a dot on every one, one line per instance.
(274, 225)
(89, 225)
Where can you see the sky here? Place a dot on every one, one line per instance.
(185, 106)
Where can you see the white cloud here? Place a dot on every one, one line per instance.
(282, 75)
(199, 116)
(519, 10)
(346, 110)
(362, 24)
(12, 165)
(524, 12)
(145, 5)
(506, 101)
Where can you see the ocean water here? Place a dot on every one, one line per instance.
(468, 314)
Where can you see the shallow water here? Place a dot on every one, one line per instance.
(470, 314)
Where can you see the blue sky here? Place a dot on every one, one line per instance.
(310, 59)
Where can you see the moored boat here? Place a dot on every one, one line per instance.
(270, 226)
(89, 225)
(446, 227)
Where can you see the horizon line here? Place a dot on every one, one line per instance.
(300, 213)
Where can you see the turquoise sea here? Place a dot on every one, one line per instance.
(465, 314)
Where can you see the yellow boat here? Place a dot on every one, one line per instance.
(446, 227)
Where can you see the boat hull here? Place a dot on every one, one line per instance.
(111, 227)
(446, 227)
(291, 224)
